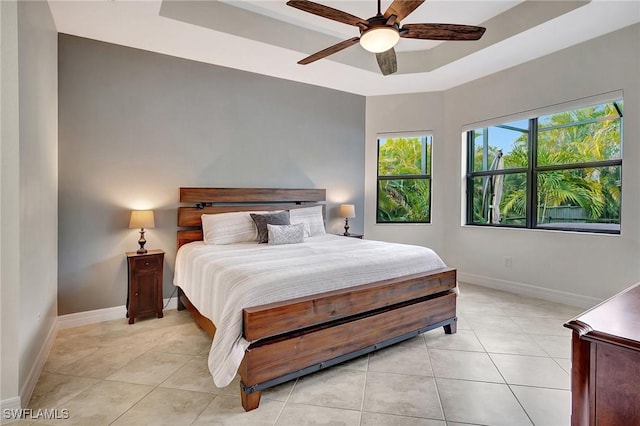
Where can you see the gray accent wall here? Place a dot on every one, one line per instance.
(134, 126)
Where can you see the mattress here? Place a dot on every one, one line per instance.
(221, 280)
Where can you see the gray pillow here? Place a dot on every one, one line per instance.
(262, 220)
(286, 234)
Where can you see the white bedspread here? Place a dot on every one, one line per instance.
(222, 280)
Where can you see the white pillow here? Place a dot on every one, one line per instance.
(311, 216)
(228, 228)
(285, 234)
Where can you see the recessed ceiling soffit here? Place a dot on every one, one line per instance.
(240, 22)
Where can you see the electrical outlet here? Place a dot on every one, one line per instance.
(507, 261)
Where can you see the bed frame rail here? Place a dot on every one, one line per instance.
(255, 195)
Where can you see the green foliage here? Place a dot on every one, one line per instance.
(405, 200)
(573, 137)
(406, 196)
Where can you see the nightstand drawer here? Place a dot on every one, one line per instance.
(150, 263)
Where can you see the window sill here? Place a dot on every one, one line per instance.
(545, 229)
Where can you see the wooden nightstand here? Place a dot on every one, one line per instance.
(144, 293)
(352, 235)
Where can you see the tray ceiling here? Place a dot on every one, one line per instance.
(268, 37)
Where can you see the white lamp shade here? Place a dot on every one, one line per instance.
(347, 210)
(142, 219)
(380, 39)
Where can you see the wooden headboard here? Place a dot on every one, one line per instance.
(224, 200)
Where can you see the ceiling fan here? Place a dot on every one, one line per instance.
(380, 33)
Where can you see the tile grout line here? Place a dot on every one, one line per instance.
(510, 384)
(435, 381)
(506, 382)
(286, 401)
(364, 389)
(137, 402)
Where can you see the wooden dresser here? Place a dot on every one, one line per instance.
(605, 370)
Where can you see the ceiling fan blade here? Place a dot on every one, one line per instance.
(441, 32)
(387, 61)
(329, 51)
(402, 8)
(327, 12)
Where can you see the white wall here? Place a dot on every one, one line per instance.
(38, 86)
(398, 113)
(573, 267)
(9, 206)
(29, 208)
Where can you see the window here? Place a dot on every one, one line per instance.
(557, 171)
(404, 179)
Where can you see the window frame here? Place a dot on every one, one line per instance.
(427, 165)
(533, 170)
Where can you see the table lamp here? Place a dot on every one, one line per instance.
(347, 211)
(142, 219)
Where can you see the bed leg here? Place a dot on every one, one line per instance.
(250, 401)
(181, 306)
(451, 328)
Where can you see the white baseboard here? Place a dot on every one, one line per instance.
(9, 406)
(91, 317)
(99, 315)
(38, 365)
(530, 290)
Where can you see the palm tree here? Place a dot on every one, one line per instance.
(573, 137)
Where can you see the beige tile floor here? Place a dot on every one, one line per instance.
(507, 365)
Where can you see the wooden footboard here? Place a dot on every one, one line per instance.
(304, 312)
(301, 336)
(277, 360)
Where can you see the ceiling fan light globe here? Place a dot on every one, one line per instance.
(380, 39)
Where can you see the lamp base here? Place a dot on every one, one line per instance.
(142, 241)
(346, 227)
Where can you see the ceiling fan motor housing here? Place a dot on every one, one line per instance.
(379, 36)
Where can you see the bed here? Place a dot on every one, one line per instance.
(333, 316)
